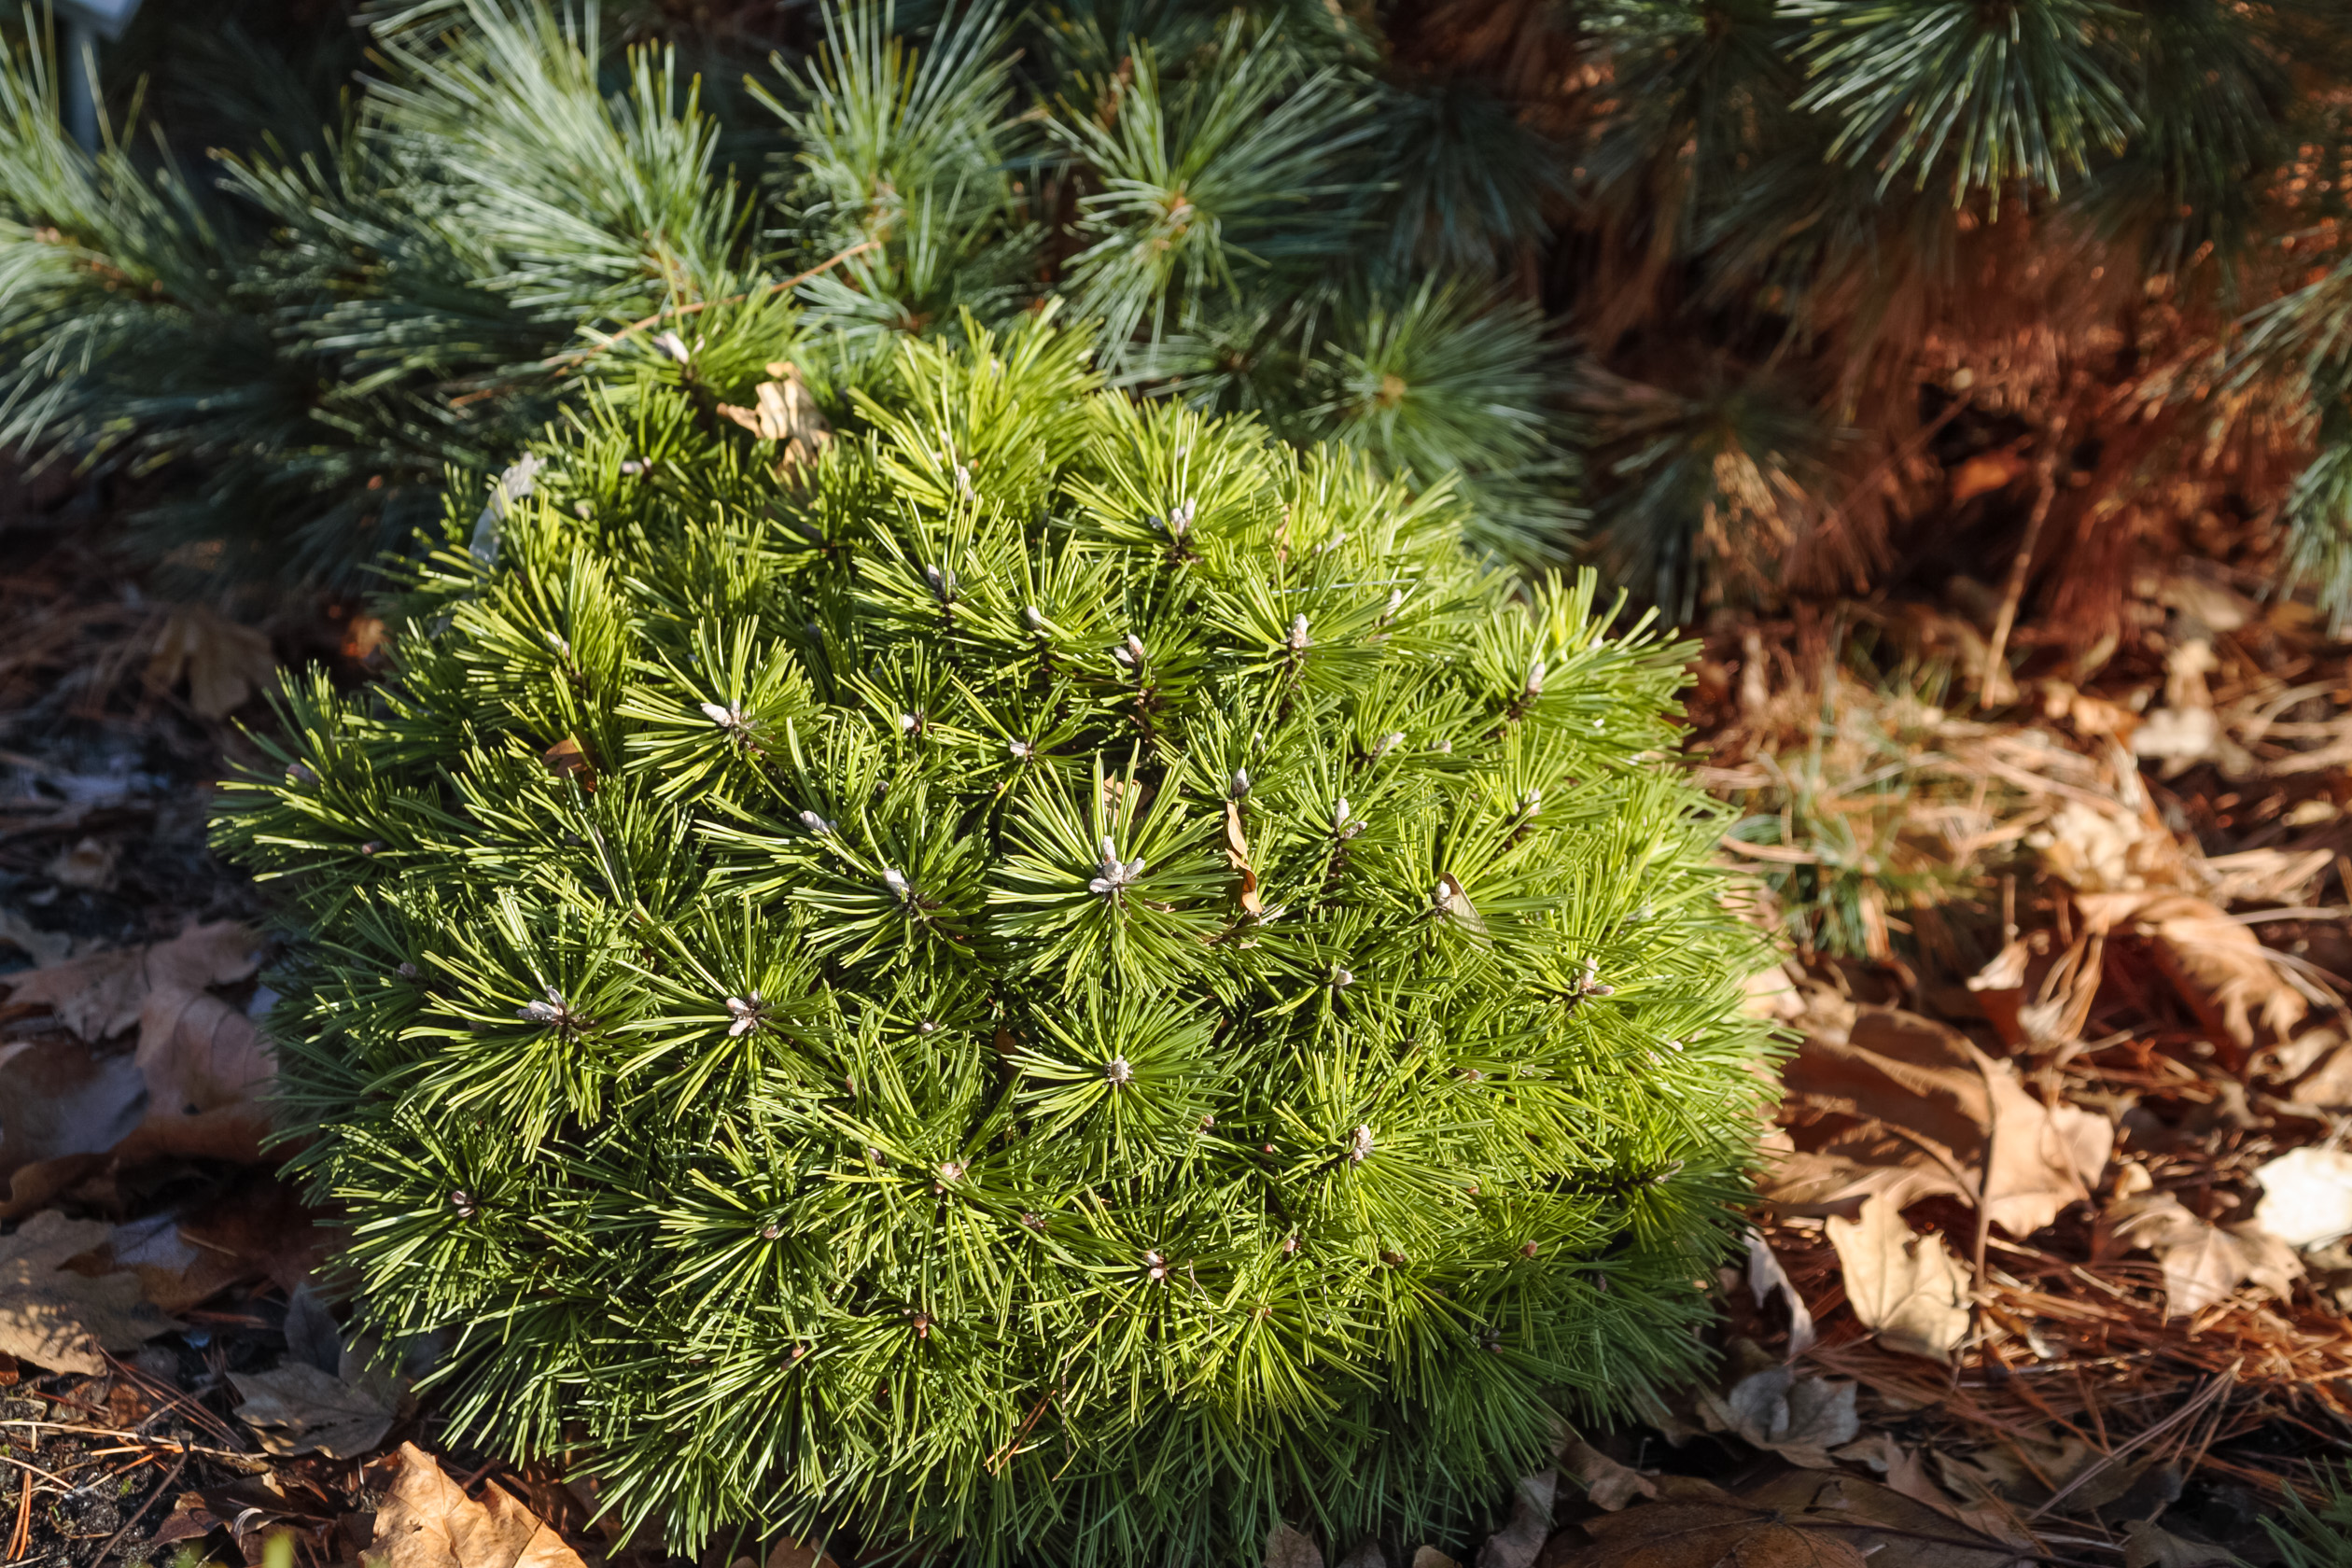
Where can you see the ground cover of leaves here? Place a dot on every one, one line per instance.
(2049, 1259)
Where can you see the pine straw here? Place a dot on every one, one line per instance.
(2071, 1336)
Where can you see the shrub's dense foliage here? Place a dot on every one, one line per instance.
(1059, 977)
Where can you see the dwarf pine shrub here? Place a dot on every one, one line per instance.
(1049, 980)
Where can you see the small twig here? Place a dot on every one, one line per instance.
(2021, 567)
(161, 1487)
(566, 361)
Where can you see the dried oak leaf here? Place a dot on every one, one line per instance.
(1699, 1535)
(1908, 1288)
(54, 1318)
(428, 1521)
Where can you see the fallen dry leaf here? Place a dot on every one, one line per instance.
(1800, 1418)
(1887, 1528)
(788, 1552)
(2203, 1263)
(194, 1086)
(2307, 1197)
(96, 995)
(225, 662)
(42, 947)
(54, 1318)
(1367, 1554)
(175, 1274)
(1908, 1288)
(2316, 1068)
(1701, 1536)
(426, 1521)
(1430, 1556)
(89, 865)
(1289, 1548)
(2218, 967)
(1607, 1483)
(1766, 1279)
(1904, 1470)
(1920, 1099)
(60, 1099)
(2146, 1547)
(296, 1408)
(1517, 1543)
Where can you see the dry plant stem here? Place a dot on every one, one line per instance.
(163, 1487)
(1988, 693)
(569, 361)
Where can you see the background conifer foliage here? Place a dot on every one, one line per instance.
(1057, 978)
(1741, 298)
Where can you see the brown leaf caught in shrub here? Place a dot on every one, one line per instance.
(1289, 1548)
(428, 1521)
(1607, 1483)
(786, 413)
(1517, 1543)
(61, 1320)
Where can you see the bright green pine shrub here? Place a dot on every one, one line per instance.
(1071, 980)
